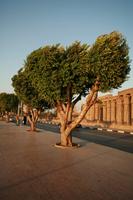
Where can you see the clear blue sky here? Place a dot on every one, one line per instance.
(26, 25)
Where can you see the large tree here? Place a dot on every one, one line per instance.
(63, 75)
(8, 102)
(29, 97)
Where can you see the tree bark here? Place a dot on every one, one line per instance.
(32, 124)
(66, 140)
(33, 119)
(67, 124)
(65, 116)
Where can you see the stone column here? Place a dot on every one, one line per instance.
(120, 111)
(100, 117)
(96, 111)
(104, 111)
(113, 111)
(90, 114)
(93, 113)
(108, 111)
(127, 111)
(87, 116)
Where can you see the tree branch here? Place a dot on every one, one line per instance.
(90, 100)
(69, 99)
(61, 112)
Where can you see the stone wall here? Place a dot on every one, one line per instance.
(113, 111)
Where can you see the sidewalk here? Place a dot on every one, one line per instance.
(31, 168)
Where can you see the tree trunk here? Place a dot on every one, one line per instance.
(68, 125)
(69, 140)
(69, 137)
(32, 124)
(66, 120)
(63, 139)
(32, 118)
(66, 140)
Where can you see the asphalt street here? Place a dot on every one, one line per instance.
(121, 141)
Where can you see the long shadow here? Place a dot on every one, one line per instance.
(119, 141)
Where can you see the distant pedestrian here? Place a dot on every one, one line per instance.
(7, 117)
(24, 119)
(17, 120)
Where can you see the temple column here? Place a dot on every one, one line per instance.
(100, 113)
(104, 111)
(87, 115)
(113, 111)
(90, 114)
(108, 111)
(96, 111)
(127, 111)
(120, 110)
(93, 113)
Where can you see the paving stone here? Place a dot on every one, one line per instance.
(31, 168)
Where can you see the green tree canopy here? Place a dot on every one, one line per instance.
(109, 60)
(29, 97)
(8, 102)
(52, 69)
(25, 91)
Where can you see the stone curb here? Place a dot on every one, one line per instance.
(118, 131)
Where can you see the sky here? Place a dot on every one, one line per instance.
(26, 25)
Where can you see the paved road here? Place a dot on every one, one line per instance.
(121, 141)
